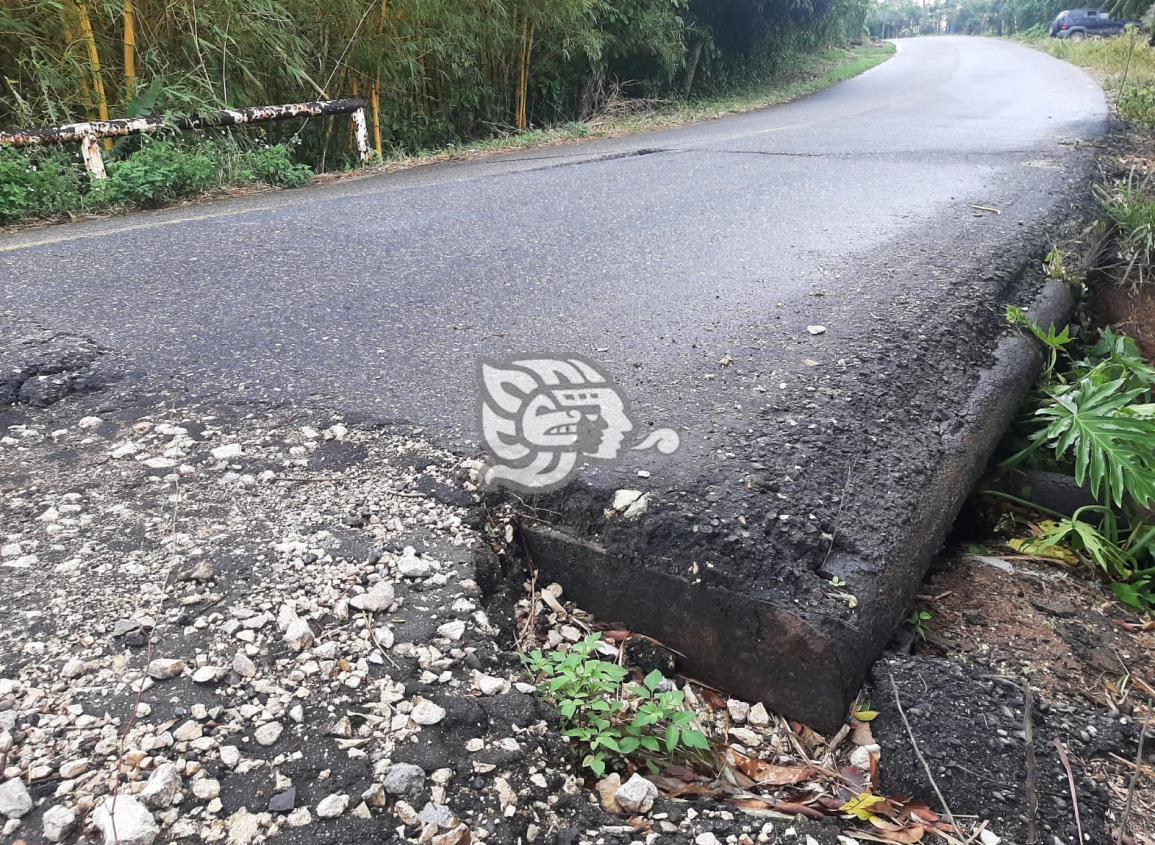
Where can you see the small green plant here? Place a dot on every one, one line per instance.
(1137, 104)
(1097, 418)
(1097, 537)
(39, 183)
(917, 622)
(1055, 265)
(159, 172)
(611, 721)
(1054, 341)
(272, 166)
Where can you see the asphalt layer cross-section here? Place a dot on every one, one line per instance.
(869, 209)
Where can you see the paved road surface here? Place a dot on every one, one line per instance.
(657, 254)
(897, 210)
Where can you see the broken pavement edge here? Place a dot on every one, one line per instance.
(807, 670)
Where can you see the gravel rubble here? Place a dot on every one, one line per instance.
(237, 626)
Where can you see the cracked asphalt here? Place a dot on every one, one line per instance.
(377, 295)
(897, 210)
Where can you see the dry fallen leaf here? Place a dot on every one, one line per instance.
(793, 809)
(768, 774)
(553, 603)
(716, 701)
(907, 835)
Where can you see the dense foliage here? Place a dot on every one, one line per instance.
(1094, 418)
(435, 71)
(985, 17)
(47, 182)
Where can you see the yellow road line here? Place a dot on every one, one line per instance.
(132, 227)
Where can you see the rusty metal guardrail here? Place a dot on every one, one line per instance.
(87, 134)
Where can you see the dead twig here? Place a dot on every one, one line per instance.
(918, 753)
(526, 632)
(837, 515)
(1032, 778)
(1065, 760)
(1125, 819)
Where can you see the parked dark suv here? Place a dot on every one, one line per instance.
(1078, 24)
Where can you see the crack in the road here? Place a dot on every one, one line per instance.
(39, 367)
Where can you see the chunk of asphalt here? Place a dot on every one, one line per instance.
(798, 635)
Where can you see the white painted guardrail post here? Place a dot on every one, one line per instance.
(93, 160)
(86, 134)
(361, 134)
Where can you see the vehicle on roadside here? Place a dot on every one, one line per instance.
(1078, 24)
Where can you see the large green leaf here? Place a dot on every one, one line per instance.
(1112, 451)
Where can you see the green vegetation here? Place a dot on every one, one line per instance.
(1093, 415)
(1024, 18)
(41, 186)
(435, 72)
(1125, 66)
(1130, 207)
(804, 74)
(917, 622)
(612, 722)
(47, 182)
(1093, 418)
(893, 18)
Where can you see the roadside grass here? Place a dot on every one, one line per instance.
(1092, 415)
(49, 184)
(808, 75)
(1130, 206)
(1125, 66)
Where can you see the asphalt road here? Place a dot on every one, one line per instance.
(898, 210)
(377, 295)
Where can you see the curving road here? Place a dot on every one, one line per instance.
(896, 209)
(377, 295)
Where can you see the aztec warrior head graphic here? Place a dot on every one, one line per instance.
(540, 416)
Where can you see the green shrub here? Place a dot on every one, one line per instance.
(1137, 104)
(1094, 419)
(39, 183)
(159, 172)
(272, 166)
(611, 721)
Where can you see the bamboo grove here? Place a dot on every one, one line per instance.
(433, 71)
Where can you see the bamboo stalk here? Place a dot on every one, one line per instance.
(375, 102)
(93, 57)
(525, 80)
(129, 51)
(375, 91)
(93, 62)
(69, 40)
(356, 90)
(519, 117)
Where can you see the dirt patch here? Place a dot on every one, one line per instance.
(995, 622)
(1053, 624)
(1127, 310)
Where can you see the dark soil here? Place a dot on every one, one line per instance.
(1127, 309)
(995, 625)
